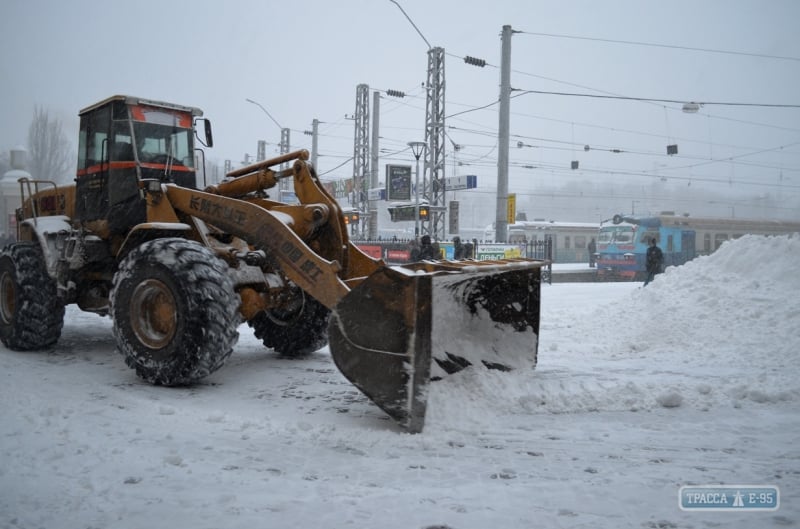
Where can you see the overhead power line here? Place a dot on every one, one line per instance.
(655, 100)
(669, 46)
(476, 61)
(487, 105)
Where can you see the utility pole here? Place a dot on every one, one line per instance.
(285, 147)
(314, 146)
(314, 133)
(501, 217)
(372, 226)
(261, 151)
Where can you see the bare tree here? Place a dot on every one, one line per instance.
(50, 154)
(5, 163)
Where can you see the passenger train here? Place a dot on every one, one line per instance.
(622, 241)
(570, 240)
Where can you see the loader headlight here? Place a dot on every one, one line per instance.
(153, 185)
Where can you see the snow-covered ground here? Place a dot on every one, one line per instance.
(693, 380)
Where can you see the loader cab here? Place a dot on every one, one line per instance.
(123, 140)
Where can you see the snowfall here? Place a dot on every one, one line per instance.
(692, 380)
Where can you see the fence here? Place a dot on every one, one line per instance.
(541, 250)
(399, 251)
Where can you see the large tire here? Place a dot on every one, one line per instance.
(31, 315)
(295, 332)
(175, 311)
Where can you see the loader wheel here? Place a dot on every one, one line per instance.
(294, 332)
(175, 311)
(31, 315)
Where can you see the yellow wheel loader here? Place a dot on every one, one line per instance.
(179, 269)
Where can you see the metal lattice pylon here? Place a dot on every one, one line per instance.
(434, 179)
(361, 171)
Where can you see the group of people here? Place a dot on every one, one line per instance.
(428, 250)
(425, 251)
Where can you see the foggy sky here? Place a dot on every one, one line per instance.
(303, 60)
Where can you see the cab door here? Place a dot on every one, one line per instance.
(93, 157)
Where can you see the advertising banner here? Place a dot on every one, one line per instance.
(398, 182)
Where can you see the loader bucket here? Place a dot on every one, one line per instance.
(405, 326)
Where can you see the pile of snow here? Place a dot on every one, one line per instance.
(745, 296)
(720, 331)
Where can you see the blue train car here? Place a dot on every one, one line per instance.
(622, 245)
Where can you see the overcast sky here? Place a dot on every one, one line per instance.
(303, 60)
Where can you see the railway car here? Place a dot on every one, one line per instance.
(570, 240)
(710, 233)
(622, 241)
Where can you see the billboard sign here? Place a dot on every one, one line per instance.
(511, 213)
(398, 182)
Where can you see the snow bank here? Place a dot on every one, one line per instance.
(746, 296)
(721, 332)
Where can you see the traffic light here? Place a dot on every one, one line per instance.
(351, 217)
(423, 213)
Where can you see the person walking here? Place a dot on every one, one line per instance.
(653, 261)
(592, 251)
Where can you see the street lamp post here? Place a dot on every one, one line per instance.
(412, 23)
(284, 137)
(259, 105)
(416, 149)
